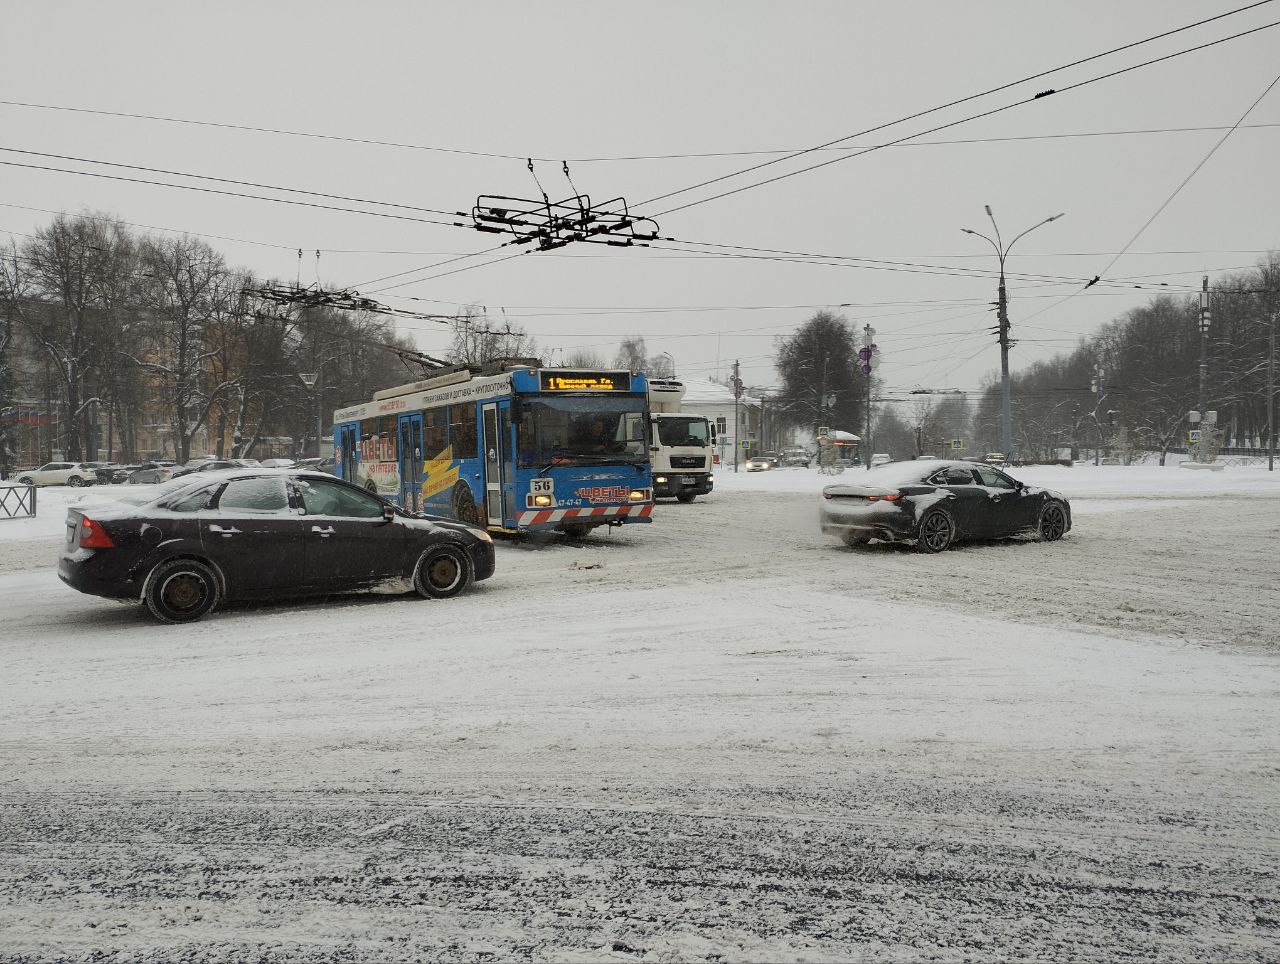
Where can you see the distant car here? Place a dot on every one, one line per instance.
(881, 458)
(211, 465)
(994, 458)
(254, 533)
(148, 473)
(794, 457)
(763, 462)
(59, 473)
(935, 504)
(327, 464)
(278, 463)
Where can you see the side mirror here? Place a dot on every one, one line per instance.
(388, 514)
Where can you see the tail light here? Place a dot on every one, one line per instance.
(891, 497)
(93, 536)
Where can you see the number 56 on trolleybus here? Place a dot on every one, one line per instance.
(513, 447)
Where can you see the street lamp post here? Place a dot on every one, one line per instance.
(311, 380)
(1002, 314)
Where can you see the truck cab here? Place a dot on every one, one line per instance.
(680, 444)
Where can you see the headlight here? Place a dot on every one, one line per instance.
(542, 500)
(483, 535)
(639, 495)
(660, 478)
(711, 478)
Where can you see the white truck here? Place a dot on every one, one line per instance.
(680, 444)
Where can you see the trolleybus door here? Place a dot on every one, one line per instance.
(410, 454)
(346, 442)
(499, 464)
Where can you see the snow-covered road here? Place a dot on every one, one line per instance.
(722, 736)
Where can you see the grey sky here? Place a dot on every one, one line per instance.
(584, 80)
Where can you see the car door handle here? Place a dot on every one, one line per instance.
(323, 533)
(225, 533)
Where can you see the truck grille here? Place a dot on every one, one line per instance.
(688, 461)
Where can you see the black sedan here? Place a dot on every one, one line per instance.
(935, 504)
(259, 534)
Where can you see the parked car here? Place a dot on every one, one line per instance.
(880, 458)
(148, 472)
(794, 457)
(254, 533)
(107, 473)
(994, 458)
(278, 463)
(935, 504)
(59, 473)
(211, 465)
(763, 462)
(327, 464)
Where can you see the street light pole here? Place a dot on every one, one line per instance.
(1002, 317)
(311, 380)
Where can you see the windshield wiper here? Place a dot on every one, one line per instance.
(592, 460)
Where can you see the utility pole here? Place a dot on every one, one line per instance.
(737, 397)
(1204, 337)
(866, 355)
(1099, 389)
(1271, 397)
(1002, 320)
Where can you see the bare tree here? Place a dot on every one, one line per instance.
(477, 339)
(632, 355)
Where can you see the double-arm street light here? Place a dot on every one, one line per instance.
(1002, 314)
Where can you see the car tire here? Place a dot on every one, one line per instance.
(75, 481)
(181, 591)
(1053, 522)
(25, 480)
(575, 532)
(854, 541)
(686, 497)
(442, 572)
(937, 531)
(464, 506)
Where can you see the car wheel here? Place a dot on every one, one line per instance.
(442, 572)
(464, 506)
(686, 496)
(937, 531)
(854, 541)
(181, 591)
(26, 480)
(1053, 522)
(75, 481)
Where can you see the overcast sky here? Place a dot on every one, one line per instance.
(595, 80)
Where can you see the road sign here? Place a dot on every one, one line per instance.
(1193, 436)
(824, 429)
(957, 444)
(865, 368)
(746, 444)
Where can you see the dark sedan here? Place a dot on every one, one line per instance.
(262, 533)
(935, 504)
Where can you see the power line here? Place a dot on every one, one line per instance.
(254, 197)
(228, 180)
(954, 103)
(790, 152)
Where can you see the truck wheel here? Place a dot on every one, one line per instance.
(686, 496)
(575, 532)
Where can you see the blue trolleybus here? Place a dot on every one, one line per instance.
(512, 447)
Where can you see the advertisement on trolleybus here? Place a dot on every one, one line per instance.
(514, 450)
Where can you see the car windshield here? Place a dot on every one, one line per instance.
(588, 428)
(683, 431)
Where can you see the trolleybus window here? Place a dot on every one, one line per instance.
(462, 431)
(586, 427)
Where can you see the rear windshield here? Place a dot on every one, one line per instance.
(162, 492)
(899, 473)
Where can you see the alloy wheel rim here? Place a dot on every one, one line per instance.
(1054, 524)
(936, 531)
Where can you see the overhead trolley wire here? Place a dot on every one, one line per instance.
(933, 130)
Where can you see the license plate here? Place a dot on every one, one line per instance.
(687, 480)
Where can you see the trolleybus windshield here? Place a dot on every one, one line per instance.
(581, 428)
